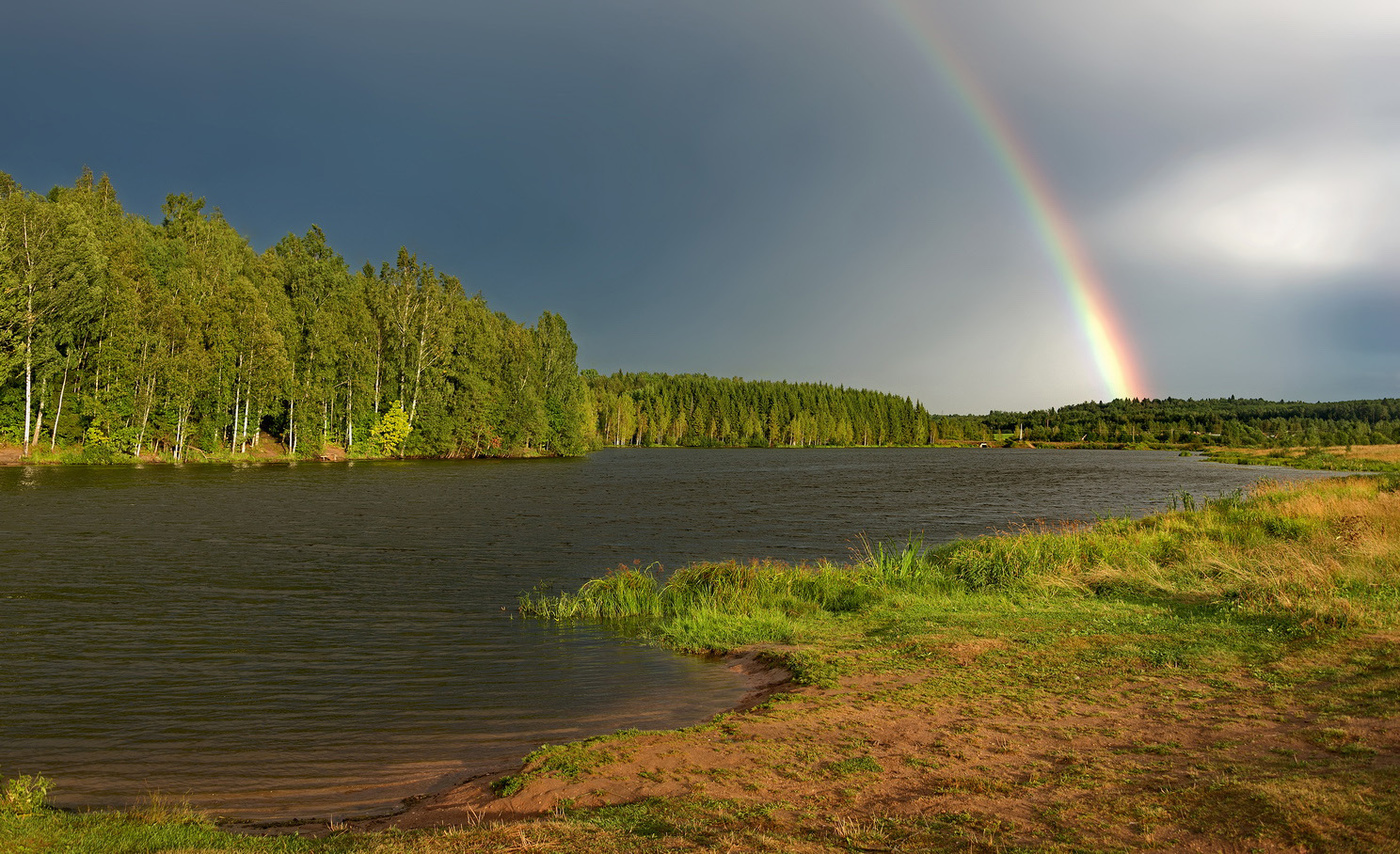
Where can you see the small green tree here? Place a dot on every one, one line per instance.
(392, 429)
(98, 448)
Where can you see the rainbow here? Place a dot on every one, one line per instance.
(1104, 334)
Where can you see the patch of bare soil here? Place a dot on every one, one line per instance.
(1136, 761)
(10, 455)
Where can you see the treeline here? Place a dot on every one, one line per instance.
(695, 410)
(1218, 421)
(179, 338)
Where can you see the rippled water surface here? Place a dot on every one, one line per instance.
(319, 639)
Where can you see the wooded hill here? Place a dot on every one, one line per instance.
(179, 337)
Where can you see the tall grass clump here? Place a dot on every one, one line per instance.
(733, 587)
(904, 564)
(728, 604)
(628, 592)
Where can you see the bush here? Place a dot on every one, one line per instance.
(24, 794)
(97, 447)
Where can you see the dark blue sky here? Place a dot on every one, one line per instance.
(784, 188)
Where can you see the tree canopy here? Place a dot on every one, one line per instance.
(179, 337)
(1214, 421)
(701, 411)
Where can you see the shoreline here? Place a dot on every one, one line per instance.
(1350, 459)
(472, 799)
(11, 458)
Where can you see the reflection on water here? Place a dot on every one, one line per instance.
(320, 639)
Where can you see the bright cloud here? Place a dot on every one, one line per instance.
(1273, 211)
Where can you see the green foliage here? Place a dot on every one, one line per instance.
(905, 563)
(391, 430)
(179, 339)
(98, 447)
(809, 668)
(1234, 422)
(569, 761)
(24, 794)
(732, 598)
(694, 410)
(713, 630)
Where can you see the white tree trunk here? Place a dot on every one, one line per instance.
(58, 411)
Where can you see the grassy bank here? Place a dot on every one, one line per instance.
(1225, 677)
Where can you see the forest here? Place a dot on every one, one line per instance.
(695, 410)
(179, 340)
(1217, 421)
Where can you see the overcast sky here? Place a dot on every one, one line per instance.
(785, 189)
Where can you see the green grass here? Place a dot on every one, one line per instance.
(139, 831)
(569, 761)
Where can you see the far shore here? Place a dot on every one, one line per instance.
(267, 453)
(1335, 458)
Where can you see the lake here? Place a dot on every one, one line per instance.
(317, 640)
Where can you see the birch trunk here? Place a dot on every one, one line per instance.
(58, 411)
(233, 429)
(39, 420)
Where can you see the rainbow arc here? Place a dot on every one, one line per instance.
(1085, 289)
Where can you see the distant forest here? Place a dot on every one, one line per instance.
(168, 338)
(700, 411)
(1217, 421)
(694, 410)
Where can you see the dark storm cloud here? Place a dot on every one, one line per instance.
(778, 189)
(1366, 324)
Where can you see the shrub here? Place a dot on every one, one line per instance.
(97, 447)
(24, 794)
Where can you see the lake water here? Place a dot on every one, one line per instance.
(317, 640)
